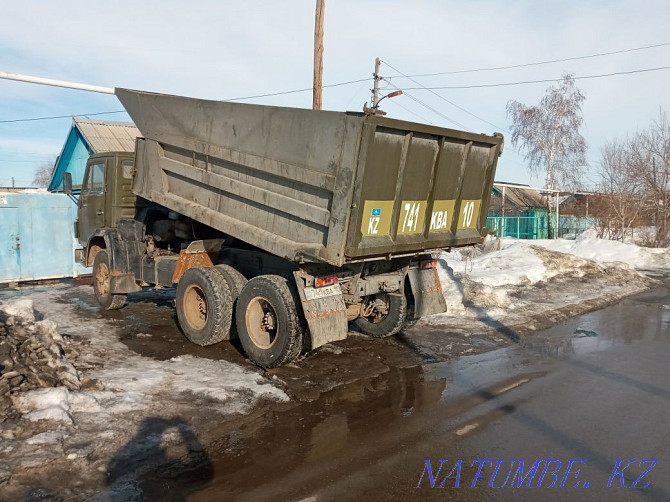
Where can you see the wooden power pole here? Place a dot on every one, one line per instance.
(318, 54)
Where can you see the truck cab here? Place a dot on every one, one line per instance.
(106, 193)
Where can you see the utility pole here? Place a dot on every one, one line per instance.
(318, 54)
(12, 181)
(375, 92)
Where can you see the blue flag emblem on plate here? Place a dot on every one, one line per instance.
(376, 212)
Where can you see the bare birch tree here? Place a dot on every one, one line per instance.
(549, 135)
(656, 176)
(621, 186)
(42, 176)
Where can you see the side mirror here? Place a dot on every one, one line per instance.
(67, 183)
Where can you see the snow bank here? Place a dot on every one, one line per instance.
(494, 276)
(516, 264)
(588, 246)
(519, 262)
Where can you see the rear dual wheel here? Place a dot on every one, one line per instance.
(382, 325)
(268, 322)
(204, 305)
(266, 312)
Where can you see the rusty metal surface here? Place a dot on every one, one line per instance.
(190, 259)
(313, 186)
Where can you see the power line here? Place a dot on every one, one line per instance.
(443, 98)
(231, 99)
(25, 161)
(413, 98)
(503, 84)
(524, 65)
(298, 90)
(59, 117)
(394, 102)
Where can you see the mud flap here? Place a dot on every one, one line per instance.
(326, 317)
(123, 283)
(427, 291)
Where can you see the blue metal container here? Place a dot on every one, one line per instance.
(37, 236)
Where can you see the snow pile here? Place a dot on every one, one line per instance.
(512, 262)
(32, 353)
(509, 277)
(515, 264)
(116, 381)
(56, 403)
(588, 246)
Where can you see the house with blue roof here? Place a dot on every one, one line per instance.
(85, 138)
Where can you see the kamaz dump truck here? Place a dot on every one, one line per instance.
(281, 225)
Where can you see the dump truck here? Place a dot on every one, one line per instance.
(281, 225)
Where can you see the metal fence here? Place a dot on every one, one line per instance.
(536, 227)
(574, 225)
(519, 227)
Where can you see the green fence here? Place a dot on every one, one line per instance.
(520, 227)
(535, 226)
(575, 225)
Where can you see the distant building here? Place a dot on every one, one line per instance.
(519, 211)
(85, 138)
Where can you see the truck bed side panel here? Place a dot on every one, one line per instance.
(312, 185)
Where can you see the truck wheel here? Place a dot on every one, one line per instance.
(390, 323)
(268, 322)
(204, 305)
(236, 282)
(409, 322)
(102, 278)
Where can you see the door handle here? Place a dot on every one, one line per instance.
(99, 212)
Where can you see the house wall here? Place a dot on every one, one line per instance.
(73, 160)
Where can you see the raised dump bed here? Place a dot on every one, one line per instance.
(313, 186)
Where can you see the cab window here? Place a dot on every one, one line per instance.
(127, 167)
(96, 178)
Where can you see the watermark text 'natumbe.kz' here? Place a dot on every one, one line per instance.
(531, 474)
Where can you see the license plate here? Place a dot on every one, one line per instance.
(316, 293)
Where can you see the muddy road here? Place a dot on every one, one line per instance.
(362, 419)
(575, 400)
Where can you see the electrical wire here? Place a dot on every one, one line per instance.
(231, 99)
(437, 112)
(503, 84)
(25, 161)
(298, 90)
(445, 99)
(394, 102)
(59, 117)
(525, 65)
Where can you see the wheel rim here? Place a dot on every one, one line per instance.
(102, 279)
(195, 307)
(376, 317)
(261, 322)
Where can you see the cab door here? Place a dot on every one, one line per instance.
(92, 198)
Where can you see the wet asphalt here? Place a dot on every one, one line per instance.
(580, 400)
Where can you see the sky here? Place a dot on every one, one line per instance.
(225, 50)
